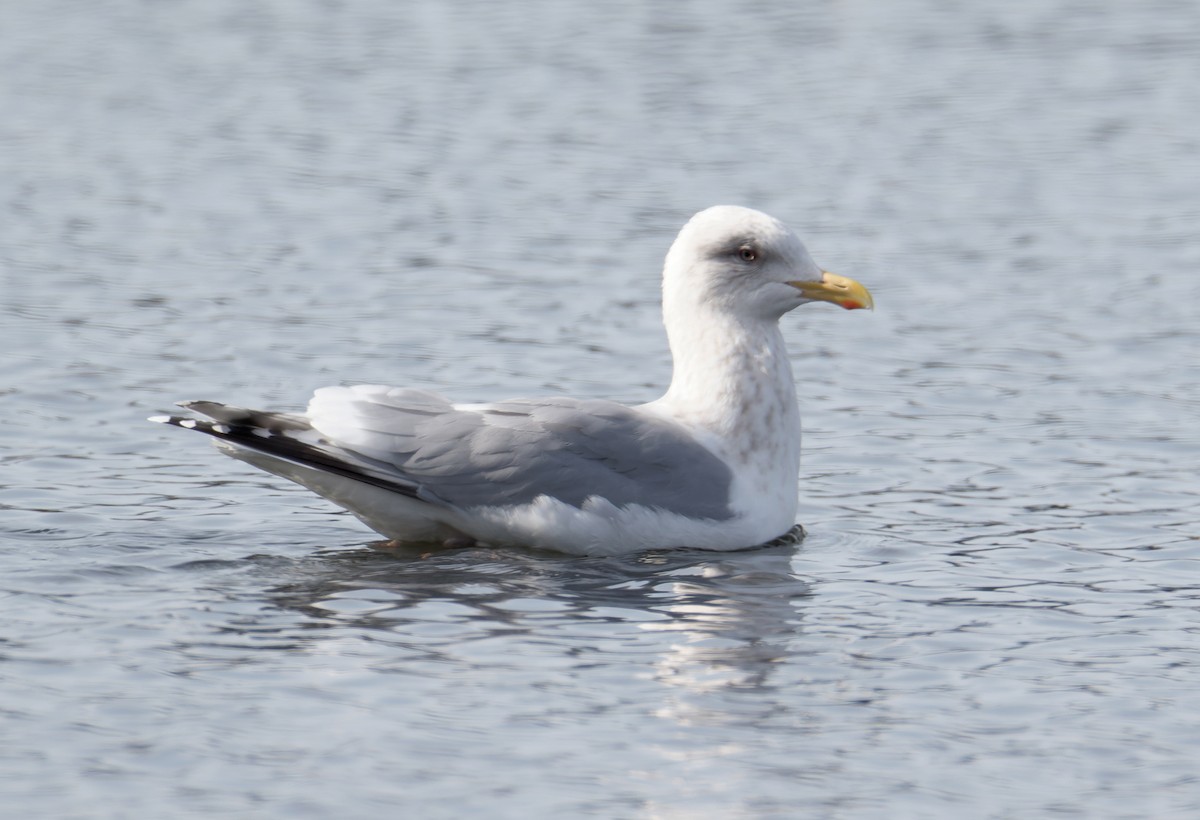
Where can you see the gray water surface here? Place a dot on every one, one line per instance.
(997, 610)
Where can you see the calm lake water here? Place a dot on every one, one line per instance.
(997, 610)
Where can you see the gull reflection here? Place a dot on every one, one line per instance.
(696, 622)
(731, 621)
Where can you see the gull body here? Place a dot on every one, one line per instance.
(712, 464)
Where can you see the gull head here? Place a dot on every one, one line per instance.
(741, 261)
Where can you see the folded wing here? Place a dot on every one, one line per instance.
(508, 453)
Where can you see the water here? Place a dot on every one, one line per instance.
(996, 611)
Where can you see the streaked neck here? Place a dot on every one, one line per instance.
(732, 379)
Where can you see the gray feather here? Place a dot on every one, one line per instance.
(514, 451)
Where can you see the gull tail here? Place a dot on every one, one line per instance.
(288, 438)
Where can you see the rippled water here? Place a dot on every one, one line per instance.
(996, 611)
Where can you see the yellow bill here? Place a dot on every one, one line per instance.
(840, 290)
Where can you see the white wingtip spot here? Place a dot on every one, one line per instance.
(159, 419)
(188, 423)
(223, 429)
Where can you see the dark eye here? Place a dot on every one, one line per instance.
(747, 253)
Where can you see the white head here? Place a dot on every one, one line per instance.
(738, 260)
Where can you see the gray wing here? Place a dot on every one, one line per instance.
(514, 451)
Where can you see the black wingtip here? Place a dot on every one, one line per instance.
(279, 443)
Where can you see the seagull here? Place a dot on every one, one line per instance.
(712, 464)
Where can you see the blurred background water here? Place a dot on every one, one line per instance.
(997, 610)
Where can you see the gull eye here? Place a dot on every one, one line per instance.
(747, 253)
